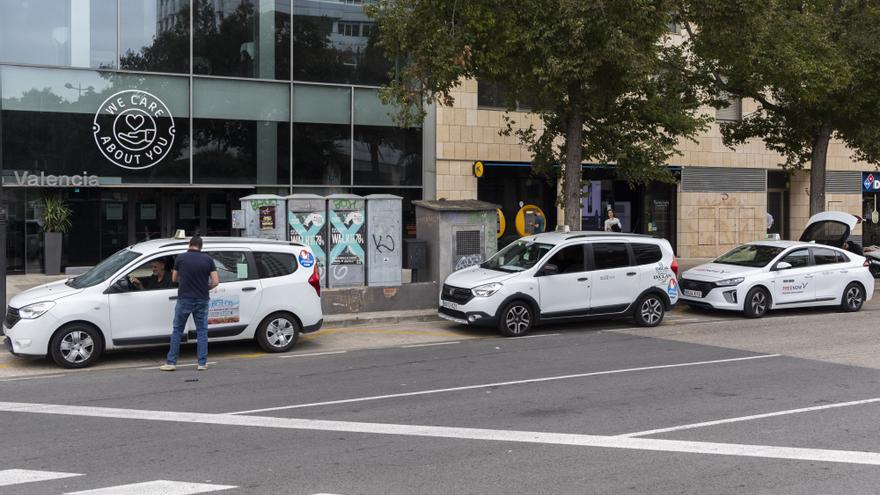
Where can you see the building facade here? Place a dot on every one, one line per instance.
(148, 116)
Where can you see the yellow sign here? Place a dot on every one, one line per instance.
(502, 223)
(530, 220)
(478, 169)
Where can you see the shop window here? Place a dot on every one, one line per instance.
(383, 153)
(321, 135)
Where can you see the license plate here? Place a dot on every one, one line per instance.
(450, 305)
(692, 293)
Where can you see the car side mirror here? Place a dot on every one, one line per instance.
(121, 285)
(550, 269)
(783, 265)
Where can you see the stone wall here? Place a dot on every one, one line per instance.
(712, 223)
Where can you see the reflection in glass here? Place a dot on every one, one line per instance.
(154, 35)
(79, 33)
(246, 38)
(387, 156)
(336, 42)
(321, 154)
(409, 212)
(48, 115)
(240, 152)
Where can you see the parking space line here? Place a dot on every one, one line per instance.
(430, 344)
(29, 378)
(534, 336)
(179, 365)
(501, 384)
(311, 354)
(427, 431)
(10, 477)
(749, 418)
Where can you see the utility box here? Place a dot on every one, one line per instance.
(264, 216)
(460, 234)
(384, 243)
(307, 224)
(347, 256)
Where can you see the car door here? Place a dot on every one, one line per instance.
(235, 301)
(564, 284)
(614, 282)
(831, 273)
(796, 284)
(139, 317)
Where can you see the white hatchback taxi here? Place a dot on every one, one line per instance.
(555, 277)
(759, 276)
(269, 291)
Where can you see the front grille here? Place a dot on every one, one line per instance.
(456, 294)
(12, 317)
(453, 313)
(704, 287)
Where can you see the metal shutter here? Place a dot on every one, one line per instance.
(732, 113)
(843, 182)
(726, 179)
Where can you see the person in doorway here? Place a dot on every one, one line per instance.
(769, 221)
(160, 279)
(197, 275)
(612, 223)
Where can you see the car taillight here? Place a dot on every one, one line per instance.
(315, 280)
(866, 263)
(674, 266)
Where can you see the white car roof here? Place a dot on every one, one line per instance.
(157, 244)
(560, 237)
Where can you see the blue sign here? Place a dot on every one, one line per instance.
(871, 181)
(672, 290)
(306, 259)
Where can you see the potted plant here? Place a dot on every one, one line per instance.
(56, 221)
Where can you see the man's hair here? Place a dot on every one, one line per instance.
(196, 242)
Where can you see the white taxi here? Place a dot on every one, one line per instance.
(759, 276)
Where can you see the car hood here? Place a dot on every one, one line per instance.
(476, 276)
(711, 272)
(46, 292)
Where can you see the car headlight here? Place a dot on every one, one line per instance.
(35, 310)
(729, 282)
(486, 290)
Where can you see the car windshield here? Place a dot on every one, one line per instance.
(518, 256)
(754, 255)
(104, 269)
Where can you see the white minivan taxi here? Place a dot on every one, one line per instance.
(759, 276)
(556, 277)
(269, 291)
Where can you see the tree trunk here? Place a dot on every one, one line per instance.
(571, 193)
(818, 161)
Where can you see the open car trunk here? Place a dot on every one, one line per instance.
(831, 228)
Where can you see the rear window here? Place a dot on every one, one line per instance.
(275, 264)
(646, 254)
(825, 256)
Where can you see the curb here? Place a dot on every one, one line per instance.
(389, 317)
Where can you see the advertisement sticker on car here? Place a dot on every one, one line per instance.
(306, 259)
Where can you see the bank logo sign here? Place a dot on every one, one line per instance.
(134, 129)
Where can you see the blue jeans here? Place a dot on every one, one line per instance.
(198, 308)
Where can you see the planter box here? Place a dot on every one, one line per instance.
(52, 252)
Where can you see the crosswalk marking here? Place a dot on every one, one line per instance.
(17, 476)
(164, 487)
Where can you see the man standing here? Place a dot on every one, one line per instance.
(196, 273)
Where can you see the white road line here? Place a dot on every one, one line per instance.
(153, 487)
(530, 437)
(430, 344)
(749, 418)
(17, 476)
(501, 384)
(534, 336)
(179, 366)
(29, 378)
(312, 354)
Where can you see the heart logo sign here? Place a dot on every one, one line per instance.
(134, 129)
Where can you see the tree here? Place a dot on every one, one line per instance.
(604, 83)
(813, 66)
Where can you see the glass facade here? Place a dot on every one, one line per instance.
(176, 108)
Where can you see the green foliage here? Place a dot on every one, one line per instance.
(812, 65)
(606, 86)
(55, 215)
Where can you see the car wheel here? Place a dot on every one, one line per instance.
(649, 311)
(278, 332)
(853, 298)
(76, 345)
(516, 319)
(757, 303)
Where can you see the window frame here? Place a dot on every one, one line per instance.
(594, 266)
(248, 254)
(260, 275)
(634, 261)
(790, 252)
(836, 254)
(584, 252)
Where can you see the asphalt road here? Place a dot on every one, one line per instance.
(705, 403)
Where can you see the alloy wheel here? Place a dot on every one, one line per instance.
(759, 303)
(854, 298)
(518, 319)
(652, 311)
